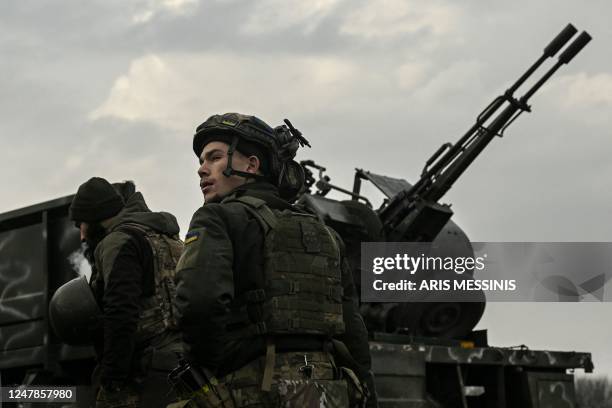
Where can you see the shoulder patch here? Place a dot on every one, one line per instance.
(192, 236)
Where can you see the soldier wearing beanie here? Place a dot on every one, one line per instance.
(133, 252)
(95, 200)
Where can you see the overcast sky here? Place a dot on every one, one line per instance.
(115, 89)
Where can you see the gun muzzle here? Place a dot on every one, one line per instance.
(575, 47)
(560, 40)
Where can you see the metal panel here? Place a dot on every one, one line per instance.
(21, 275)
(21, 357)
(36, 244)
(389, 186)
(400, 376)
(551, 390)
(23, 335)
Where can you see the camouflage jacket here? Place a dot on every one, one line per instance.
(124, 284)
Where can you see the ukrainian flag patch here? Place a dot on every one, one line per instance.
(191, 236)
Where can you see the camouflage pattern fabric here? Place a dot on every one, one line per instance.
(157, 314)
(126, 397)
(302, 292)
(301, 379)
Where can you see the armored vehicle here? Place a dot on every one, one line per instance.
(425, 355)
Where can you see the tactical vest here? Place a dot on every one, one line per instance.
(302, 291)
(156, 313)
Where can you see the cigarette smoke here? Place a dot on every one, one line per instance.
(79, 263)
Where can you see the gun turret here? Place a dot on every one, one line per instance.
(414, 214)
(323, 184)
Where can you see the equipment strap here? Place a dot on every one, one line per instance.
(307, 324)
(279, 287)
(258, 208)
(266, 382)
(305, 305)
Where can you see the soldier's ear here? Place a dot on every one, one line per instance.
(254, 165)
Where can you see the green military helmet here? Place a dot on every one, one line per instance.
(276, 147)
(73, 312)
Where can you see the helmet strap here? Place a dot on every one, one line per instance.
(229, 171)
(230, 153)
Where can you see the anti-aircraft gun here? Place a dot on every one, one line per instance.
(426, 354)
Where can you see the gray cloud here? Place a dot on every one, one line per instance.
(116, 88)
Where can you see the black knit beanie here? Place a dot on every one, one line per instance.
(95, 200)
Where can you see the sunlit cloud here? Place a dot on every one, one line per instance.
(411, 74)
(274, 15)
(590, 96)
(152, 8)
(174, 90)
(379, 19)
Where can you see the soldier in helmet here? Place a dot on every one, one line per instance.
(265, 298)
(133, 254)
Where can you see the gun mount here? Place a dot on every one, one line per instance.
(424, 355)
(413, 213)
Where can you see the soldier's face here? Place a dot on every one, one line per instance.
(91, 235)
(213, 160)
(83, 228)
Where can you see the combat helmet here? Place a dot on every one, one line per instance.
(73, 312)
(276, 148)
